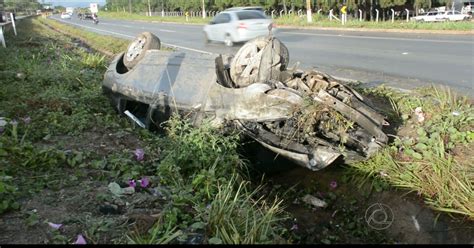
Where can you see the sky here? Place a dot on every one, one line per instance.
(73, 3)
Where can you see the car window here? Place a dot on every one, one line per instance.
(222, 18)
(245, 15)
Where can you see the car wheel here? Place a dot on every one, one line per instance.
(259, 60)
(228, 40)
(137, 49)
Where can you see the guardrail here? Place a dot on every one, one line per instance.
(4, 26)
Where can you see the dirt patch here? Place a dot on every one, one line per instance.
(88, 208)
(345, 218)
(98, 140)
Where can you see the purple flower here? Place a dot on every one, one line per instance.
(80, 240)
(294, 227)
(132, 183)
(144, 182)
(27, 120)
(54, 226)
(333, 184)
(139, 153)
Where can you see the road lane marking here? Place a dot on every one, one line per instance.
(119, 25)
(380, 38)
(129, 36)
(166, 30)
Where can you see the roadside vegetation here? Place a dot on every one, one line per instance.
(61, 136)
(432, 151)
(67, 158)
(318, 21)
(105, 44)
(323, 21)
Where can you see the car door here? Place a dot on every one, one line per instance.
(217, 26)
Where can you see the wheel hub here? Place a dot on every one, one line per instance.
(135, 49)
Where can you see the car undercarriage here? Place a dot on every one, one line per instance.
(308, 116)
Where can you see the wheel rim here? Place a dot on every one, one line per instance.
(247, 60)
(136, 48)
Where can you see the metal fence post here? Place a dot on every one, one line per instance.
(376, 15)
(13, 23)
(360, 15)
(408, 14)
(393, 15)
(2, 38)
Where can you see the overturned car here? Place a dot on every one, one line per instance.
(308, 117)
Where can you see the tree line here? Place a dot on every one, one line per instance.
(286, 5)
(21, 5)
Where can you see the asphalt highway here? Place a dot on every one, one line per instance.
(402, 60)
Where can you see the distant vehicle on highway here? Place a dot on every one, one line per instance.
(454, 16)
(432, 16)
(65, 15)
(70, 10)
(237, 26)
(84, 16)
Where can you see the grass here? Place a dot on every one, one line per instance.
(318, 21)
(141, 17)
(51, 90)
(431, 158)
(103, 43)
(323, 21)
(235, 217)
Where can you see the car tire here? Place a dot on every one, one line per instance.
(136, 50)
(228, 40)
(259, 60)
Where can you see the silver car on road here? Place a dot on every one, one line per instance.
(238, 26)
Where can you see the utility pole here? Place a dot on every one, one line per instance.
(309, 13)
(162, 9)
(203, 10)
(149, 8)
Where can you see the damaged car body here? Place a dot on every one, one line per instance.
(308, 117)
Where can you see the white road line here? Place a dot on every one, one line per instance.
(166, 30)
(380, 38)
(129, 36)
(187, 48)
(87, 27)
(118, 25)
